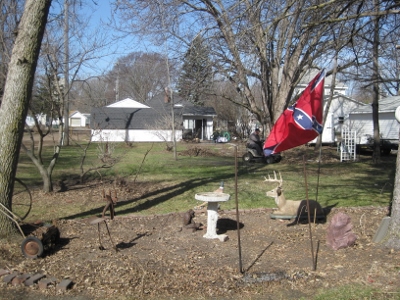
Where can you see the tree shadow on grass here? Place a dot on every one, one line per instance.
(156, 197)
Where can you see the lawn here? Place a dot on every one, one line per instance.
(201, 167)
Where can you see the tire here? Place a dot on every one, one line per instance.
(32, 247)
(247, 157)
(226, 135)
(269, 160)
(277, 158)
(21, 199)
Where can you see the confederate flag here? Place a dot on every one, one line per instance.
(301, 122)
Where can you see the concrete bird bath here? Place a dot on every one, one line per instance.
(213, 198)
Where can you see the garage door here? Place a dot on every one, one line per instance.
(75, 122)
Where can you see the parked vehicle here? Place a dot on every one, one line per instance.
(221, 137)
(251, 155)
(366, 142)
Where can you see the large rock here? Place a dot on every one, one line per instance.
(339, 233)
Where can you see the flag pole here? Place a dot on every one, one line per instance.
(309, 217)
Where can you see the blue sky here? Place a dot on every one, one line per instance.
(98, 17)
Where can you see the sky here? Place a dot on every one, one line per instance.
(98, 15)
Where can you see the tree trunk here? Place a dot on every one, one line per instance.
(17, 93)
(327, 105)
(376, 155)
(394, 225)
(37, 160)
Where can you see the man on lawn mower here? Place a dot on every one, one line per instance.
(254, 141)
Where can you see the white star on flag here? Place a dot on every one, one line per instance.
(300, 117)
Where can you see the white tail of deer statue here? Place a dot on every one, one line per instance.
(290, 207)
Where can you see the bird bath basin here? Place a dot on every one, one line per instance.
(213, 198)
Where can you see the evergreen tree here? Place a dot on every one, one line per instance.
(196, 76)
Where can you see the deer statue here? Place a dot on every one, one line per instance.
(292, 207)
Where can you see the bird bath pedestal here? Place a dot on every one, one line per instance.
(213, 198)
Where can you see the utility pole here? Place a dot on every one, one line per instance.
(117, 84)
(66, 73)
(171, 96)
(398, 80)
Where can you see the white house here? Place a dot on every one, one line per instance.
(339, 108)
(131, 121)
(29, 121)
(41, 118)
(339, 111)
(360, 120)
(357, 116)
(77, 119)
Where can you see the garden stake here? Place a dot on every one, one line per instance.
(237, 213)
(237, 210)
(308, 212)
(111, 201)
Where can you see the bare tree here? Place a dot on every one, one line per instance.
(11, 11)
(269, 43)
(106, 158)
(45, 101)
(140, 75)
(51, 77)
(375, 101)
(95, 91)
(17, 93)
(236, 117)
(373, 47)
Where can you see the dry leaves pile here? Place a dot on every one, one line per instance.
(194, 151)
(158, 259)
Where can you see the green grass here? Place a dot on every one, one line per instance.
(339, 184)
(355, 292)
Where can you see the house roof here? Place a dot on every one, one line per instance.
(128, 103)
(191, 110)
(72, 113)
(388, 104)
(147, 116)
(78, 114)
(114, 118)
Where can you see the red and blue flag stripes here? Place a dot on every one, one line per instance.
(300, 123)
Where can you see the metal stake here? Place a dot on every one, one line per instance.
(237, 212)
(309, 217)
